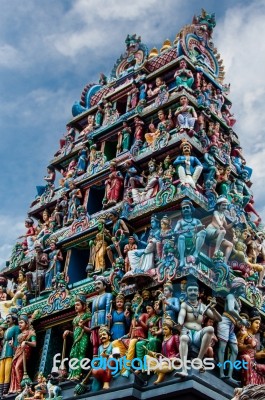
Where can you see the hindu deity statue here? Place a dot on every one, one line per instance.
(9, 344)
(152, 185)
(96, 160)
(103, 376)
(170, 350)
(80, 334)
(82, 160)
(184, 76)
(29, 236)
(99, 115)
(189, 168)
(119, 318)
(37, 269)
(160, 92)
(190, 233)
(190, 319)
(89, 128)
(225, 328)
(55, 264)
(114, 186)
(101, 308)
(98, 247)
(130, 246)
(158, 137)
(248, 351)
(120, 234)
(124, 138)
(26, 341)
(75, 197)
(138, 136)
(138, 330)
(217, 229)
(186, 116)
(154, 332)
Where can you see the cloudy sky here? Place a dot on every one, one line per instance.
(49, 50)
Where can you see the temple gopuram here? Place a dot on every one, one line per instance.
(140, 273)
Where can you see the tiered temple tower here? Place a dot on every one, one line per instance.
(154, 191)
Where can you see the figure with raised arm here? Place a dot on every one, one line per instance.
(190, 233)
(184, 77)
(190, 319)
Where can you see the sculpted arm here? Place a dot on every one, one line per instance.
(182, 314)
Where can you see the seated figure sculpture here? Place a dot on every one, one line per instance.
(189, 167)
(217, 229)
(189, 232)
(152, 185)
(186, 116)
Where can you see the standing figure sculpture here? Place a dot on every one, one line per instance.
(98, 247)
(190, 233)
(26, 341)
(124, 138)
(101, 308)
(119, 318)
(120, 233)
(80, 335)
(138, 136)
(190, 319)
(8, 351)
(55, 264)
(247, 346)
(75, 197)
(189, 167)
(225, 328)
(37, 269)
(114, 186)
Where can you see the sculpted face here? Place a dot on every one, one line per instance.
(192, 293)
(119, 303)
(153, 223)
(104, 337)
(167, 291)
(255, 325)
(150, 311)
(99, 286)
(166, 330)
(186, 210)
(78, 306)
(22, 325)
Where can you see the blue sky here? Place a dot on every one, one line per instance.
(49, 50)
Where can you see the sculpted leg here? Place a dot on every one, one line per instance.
(228, 249)
(181, 250)
(183, 351)
(206, 340)
(199, 243)
(221, 356)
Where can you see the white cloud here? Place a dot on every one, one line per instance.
(9, 56)
(10, 228)
(239, 39)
